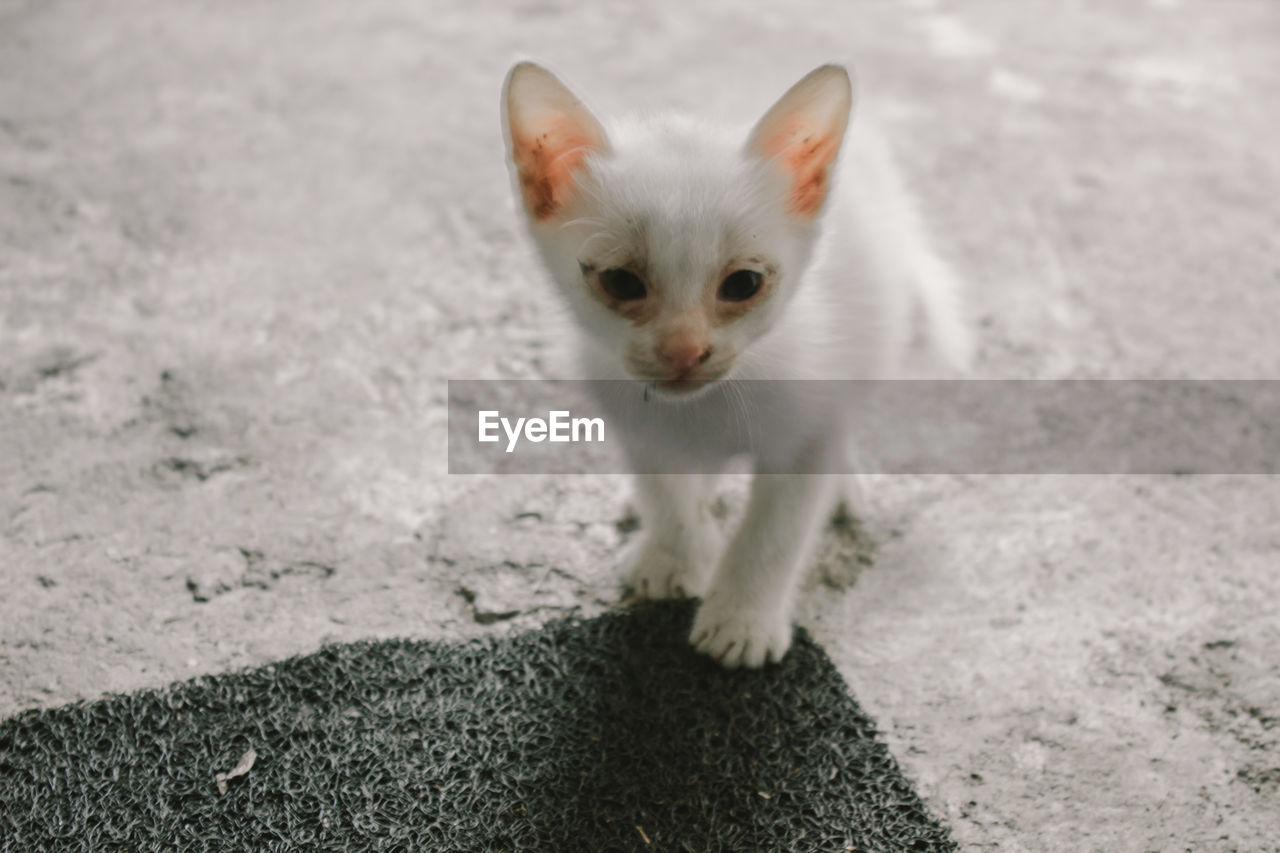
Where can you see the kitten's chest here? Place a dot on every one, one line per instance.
(767, 420)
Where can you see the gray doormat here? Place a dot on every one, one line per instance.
(600, 735)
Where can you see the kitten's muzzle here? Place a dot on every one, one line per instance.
(681, 357)
(680, 368)
(691, 383)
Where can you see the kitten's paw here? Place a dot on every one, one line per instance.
(662, 569)
(736, 635)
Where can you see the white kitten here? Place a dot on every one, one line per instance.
(695, 258)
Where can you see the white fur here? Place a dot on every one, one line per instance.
(855, 287)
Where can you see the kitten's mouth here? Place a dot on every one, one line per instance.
(681, 385)
(678, 389)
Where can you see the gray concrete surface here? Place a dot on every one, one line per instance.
(243, 245)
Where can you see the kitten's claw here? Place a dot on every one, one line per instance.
(646, 588)
(736, 636)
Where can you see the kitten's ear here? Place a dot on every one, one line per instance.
(548, 133)
(802, 132)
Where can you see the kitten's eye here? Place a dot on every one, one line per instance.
(622, 285)
(740, 286)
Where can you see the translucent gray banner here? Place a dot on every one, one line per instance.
(919, 427)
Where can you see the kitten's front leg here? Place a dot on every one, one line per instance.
(745, 618)
(681, 542)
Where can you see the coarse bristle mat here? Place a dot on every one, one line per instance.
(586, 735)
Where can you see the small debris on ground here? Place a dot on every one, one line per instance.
(243, 766)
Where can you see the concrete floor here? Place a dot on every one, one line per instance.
(243, 245)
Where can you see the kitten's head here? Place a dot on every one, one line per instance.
(676, 245)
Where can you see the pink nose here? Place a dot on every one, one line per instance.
(683, 355)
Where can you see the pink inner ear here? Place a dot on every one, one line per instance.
(545, 161)
(806, 156)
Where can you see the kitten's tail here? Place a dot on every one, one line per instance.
(946, 337)
(938, 331)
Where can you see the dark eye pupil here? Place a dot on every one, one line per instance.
(622, 285)
(740, 286)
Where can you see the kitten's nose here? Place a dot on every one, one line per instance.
(683, 355)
